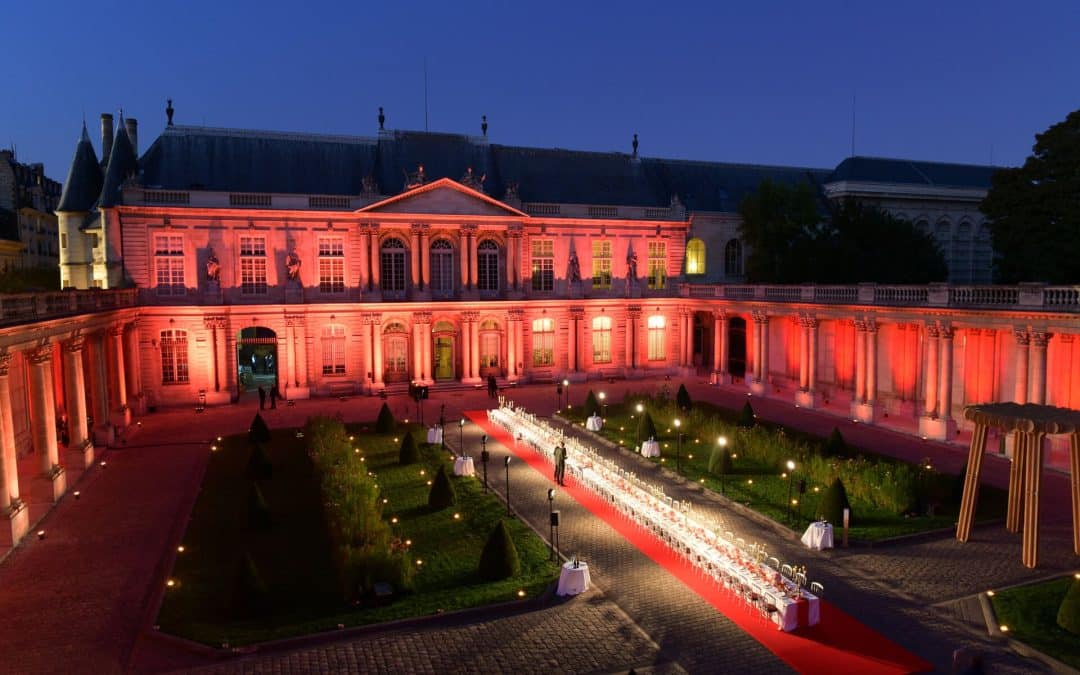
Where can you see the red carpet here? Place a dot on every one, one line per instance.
(838, 644)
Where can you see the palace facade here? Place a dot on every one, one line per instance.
(221, 261)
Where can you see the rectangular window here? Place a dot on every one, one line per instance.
(63, 240)
(601, 264)
(174, 357)
(657, 265)
(601, 339)
(333, 350)
(169, 264)
(253, 265)
(331, 265)
(657, 348)
(543, 342)
(543, 265)
(489, 350)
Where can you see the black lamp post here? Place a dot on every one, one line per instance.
(566, 388)
(558, 396)
(461, 437)
(603, 407)
(791, 475)
(551, 520)
(506, 461)
(678, 445)
(722, 442)
(442, 426)
(484, 457)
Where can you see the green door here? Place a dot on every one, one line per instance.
(444, 358)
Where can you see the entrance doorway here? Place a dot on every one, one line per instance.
(737, 347)
(257, 358)
(444, 357)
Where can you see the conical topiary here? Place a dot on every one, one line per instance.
(442, 492)
(645, 428)
(258, 432)
(385, 422)
(1068, 616)
(259, 517)
(409, 453)
(592, 406)
(720, 461)
(834, 446)
(249, 597)
(682, 399)
(259, 466)
(499, 559)
(832, 504)
(746, 417)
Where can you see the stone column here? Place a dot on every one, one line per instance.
(425, 255)
(116, 334)
(804, 356)
(511, 259)
(1039, 340)
(860, 362)
(365, 250)
(75, 384)
(417, 355)
(43, 418)
(473, 242)
(463, 256)
(513, 346)
(945, 380)
(373, 239)
(931, 370)
(466, 349)
(763, 363)
(414, 256)
(11, 507)
(376, 340)
(366, 354)
(300, 331)
(632, 318)
(517, 241)
(571, 342)
(474, 345)
(133, 368)
(719, 339)
(871, 362)
(811, 375)
(425, 341)
(1020, 391)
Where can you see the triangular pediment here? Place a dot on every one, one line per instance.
(444, 197)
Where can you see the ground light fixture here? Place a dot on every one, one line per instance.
(461, 436)
(506, 462)
(678, 445)
(722, 442)
(566, 388)
(603, 408)
(551, 521)
(791, 475)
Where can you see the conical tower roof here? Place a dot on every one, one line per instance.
(122, 163)
(84, 179)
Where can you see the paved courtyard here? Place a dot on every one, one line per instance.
(82, 597)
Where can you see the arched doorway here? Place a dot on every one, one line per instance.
(442, 334)
(257, 358)
(490, 348)
(704, 328)
(395, 352)
(737, 346)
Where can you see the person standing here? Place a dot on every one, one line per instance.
(262, 398)
(560, 463)
(273, 397)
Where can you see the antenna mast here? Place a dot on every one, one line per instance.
(425, 95)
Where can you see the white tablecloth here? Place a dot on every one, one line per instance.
(463, 466)
(594, 423)
(573, 580)
(650, 449)
(434, 435)
(818, 536)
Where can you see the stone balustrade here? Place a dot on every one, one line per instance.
(19, 308)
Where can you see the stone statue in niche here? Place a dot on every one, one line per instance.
(631, 265)
(213, 267)
(292, 266)
(573, 272)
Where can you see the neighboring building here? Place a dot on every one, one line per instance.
(28, 226)
(940, 199)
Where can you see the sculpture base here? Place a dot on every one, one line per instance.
(298, 393)
(57, 483)
(864, 412)
(218, 397)
(719, 378)
(87, 454)
(937, 428)
(807, 399)
(212, 293)
(18, 517)
(294, 294)
(105, 435)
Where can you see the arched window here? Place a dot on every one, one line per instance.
(657, 351)
(543, 342)
(396, 352)
(487, 266)
(392, 266)
(489, 346)
(695, 257)
(333, 350)
(733, 259)
(601, 339)
(442, 268)
(174, 357)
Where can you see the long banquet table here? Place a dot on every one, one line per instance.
(694, 537)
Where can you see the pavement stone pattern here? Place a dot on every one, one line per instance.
(83, 595)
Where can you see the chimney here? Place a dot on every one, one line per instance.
(132, 126)
(106, 136)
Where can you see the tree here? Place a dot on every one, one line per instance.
(645, 428)
(258, 432)
(408, 453)
(385, 422)
(833, 502)
(259, 466)
(778, 227)
(746, 417)
(442, 492)
(834, 446)
(592, 406)
(259, 517)
(682, 399)
(249, 596)
(1033, 211)
(1068, 616)
(499, 559)
(720, 461)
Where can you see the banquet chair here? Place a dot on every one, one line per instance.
(817, 589)
(740, 543)
(800, 579)
(729, 535)
(774, 563)
(785, 570)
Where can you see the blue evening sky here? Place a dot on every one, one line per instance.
(759, 82)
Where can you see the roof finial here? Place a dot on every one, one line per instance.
(483, 124)
(382, 118)
(635, 145)
(169, 111)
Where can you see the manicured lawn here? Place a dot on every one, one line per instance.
(1030, 612)
(764, 488)
(295, 559)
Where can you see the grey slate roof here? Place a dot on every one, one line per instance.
(122, 163)
(9, 225)
(938, 174)
(84, 179)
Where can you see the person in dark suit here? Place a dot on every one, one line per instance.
(560, 463)
(262, 398)
(273, 397)
(493, 386)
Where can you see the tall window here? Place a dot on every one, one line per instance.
(657, 351)
(252, 265)
(543, 341)
(331, 265)
(333, 350)
(442, 268)
(169, 263)
(487, 266)
(395, 352)
(174, 357)
(601, 339)
(543, 265)
(392, 268)
(657, 265)
(733, 259)
(695, 257)
(489, 344)
(601, 265)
